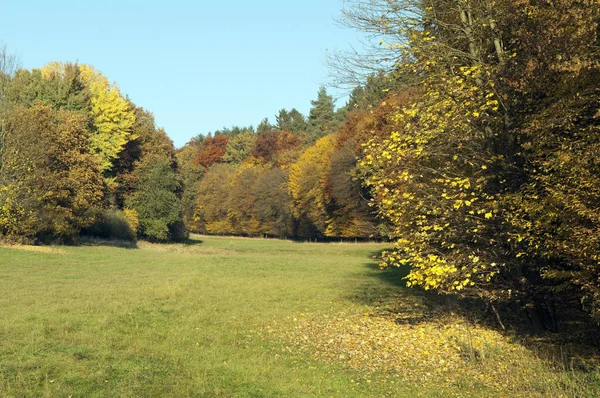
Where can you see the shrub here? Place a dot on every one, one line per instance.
(112, 224)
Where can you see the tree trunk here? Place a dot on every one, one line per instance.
(466, 19)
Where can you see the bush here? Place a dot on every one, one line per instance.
(112, 224)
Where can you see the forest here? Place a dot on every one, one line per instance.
(470, 142)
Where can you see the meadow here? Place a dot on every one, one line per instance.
(224, 316)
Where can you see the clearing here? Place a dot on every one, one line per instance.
(243, 317)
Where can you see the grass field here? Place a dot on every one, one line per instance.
(249, 318)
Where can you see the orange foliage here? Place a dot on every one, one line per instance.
(212, 151)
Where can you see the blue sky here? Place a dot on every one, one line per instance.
(198, 66)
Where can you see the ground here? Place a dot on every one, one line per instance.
(240, 317)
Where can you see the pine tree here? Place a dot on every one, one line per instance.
(321, 119)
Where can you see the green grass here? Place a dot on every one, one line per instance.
(188, 320)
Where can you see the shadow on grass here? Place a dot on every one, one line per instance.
(576, 338)
(192, 241)
(121, 243)
(394, 276)
(127, 244)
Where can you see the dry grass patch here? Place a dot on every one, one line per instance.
(35, 249)
(182, 248)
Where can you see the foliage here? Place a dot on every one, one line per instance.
(111, 114)
(113, 224)
(191, 174)
(273, 204)
(488, 176)
(213, 193)
(307, 180)
(293, 121)
(50, 182)
(241, 202)
(264, 126)
(348, 206)
(239, 147)
(554, 83)
(370, 94)
(277, 147)
(321, 118)
(84, 123)
(434, 180)
(157, 203)
(212, 151)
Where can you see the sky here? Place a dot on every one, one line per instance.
(198, 66)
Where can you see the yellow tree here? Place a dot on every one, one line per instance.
(307, 181)
(490, 177)
(438, 176)
(111, 114)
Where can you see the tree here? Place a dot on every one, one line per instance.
(51, 184)
(292, 121)
(264, 126)
(477, 178)
(277, 147)
(438, 176)
(157, 203)
(9, 65)
(350, 215)
(213, 193)
(149, 145)
(552, 82)
(370, 94)
(242, 200)
(111, 114)
(190, 174)
(306, 183)
(212, 151)
(273, 206)
(321, 119)
(239, 147)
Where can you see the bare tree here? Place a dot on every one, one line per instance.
(9, 63)
(385, 25)
(463, 31)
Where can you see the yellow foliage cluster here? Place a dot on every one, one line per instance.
(307, 178)
(113, 116)
(430, 178)
(133, 220)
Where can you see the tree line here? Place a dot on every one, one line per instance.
(293, 178)
(76, 156)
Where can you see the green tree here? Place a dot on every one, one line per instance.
(264, 126)
(292, 121)
(239, 147)
(157, 203)
(322, 117)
